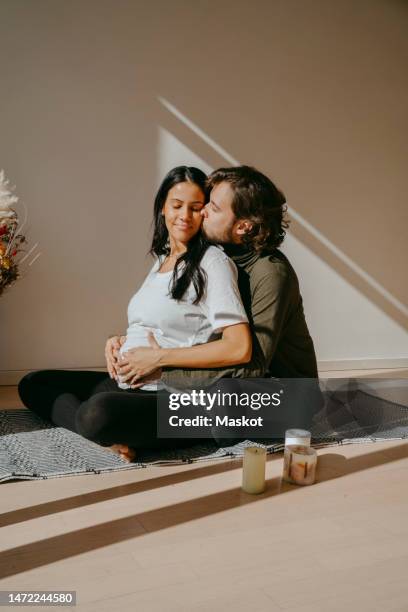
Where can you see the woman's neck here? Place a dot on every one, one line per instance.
(176, 249)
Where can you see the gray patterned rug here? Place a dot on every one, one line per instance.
(31, 448)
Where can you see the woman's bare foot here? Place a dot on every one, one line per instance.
(124, 451)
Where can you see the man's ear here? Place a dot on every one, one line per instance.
(243, 227)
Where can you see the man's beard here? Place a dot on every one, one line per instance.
(226, 237)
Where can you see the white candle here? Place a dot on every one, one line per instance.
(253, 471)
(297, 436)
(299, 464)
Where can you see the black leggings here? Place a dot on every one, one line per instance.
(92, 405)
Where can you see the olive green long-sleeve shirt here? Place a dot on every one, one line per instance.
(282, 345)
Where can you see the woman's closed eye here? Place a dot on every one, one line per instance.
(197, 208)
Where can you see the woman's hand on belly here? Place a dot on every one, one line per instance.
(112, 348)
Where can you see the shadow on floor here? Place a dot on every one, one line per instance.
(50, 550)
(95, 497)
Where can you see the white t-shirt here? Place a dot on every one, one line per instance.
(181, 323)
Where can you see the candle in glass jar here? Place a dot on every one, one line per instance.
(253, 470)
(299, 464)
(297, 436)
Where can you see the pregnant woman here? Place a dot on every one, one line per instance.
(189, 302)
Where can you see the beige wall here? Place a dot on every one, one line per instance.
(314, 93)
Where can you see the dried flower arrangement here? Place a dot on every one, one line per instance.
(12, 241)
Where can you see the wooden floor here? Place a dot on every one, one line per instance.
(188, 539)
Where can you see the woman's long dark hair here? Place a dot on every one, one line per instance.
(197, 246)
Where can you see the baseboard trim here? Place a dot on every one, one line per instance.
(363, 364)
(13, 377)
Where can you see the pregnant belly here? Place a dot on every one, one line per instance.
(134, 338)
(138, 337)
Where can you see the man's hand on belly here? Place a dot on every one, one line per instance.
(138, 363)
(153, 377)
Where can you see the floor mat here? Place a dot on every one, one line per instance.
(31, 448)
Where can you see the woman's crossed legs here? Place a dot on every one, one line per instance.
(92, 405)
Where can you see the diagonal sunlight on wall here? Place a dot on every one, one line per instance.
(344, 323)
(310, 228)
(171, 153)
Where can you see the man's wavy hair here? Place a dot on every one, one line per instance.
(257, 199)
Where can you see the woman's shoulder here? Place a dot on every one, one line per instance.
(217, 264)
(215, 254)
